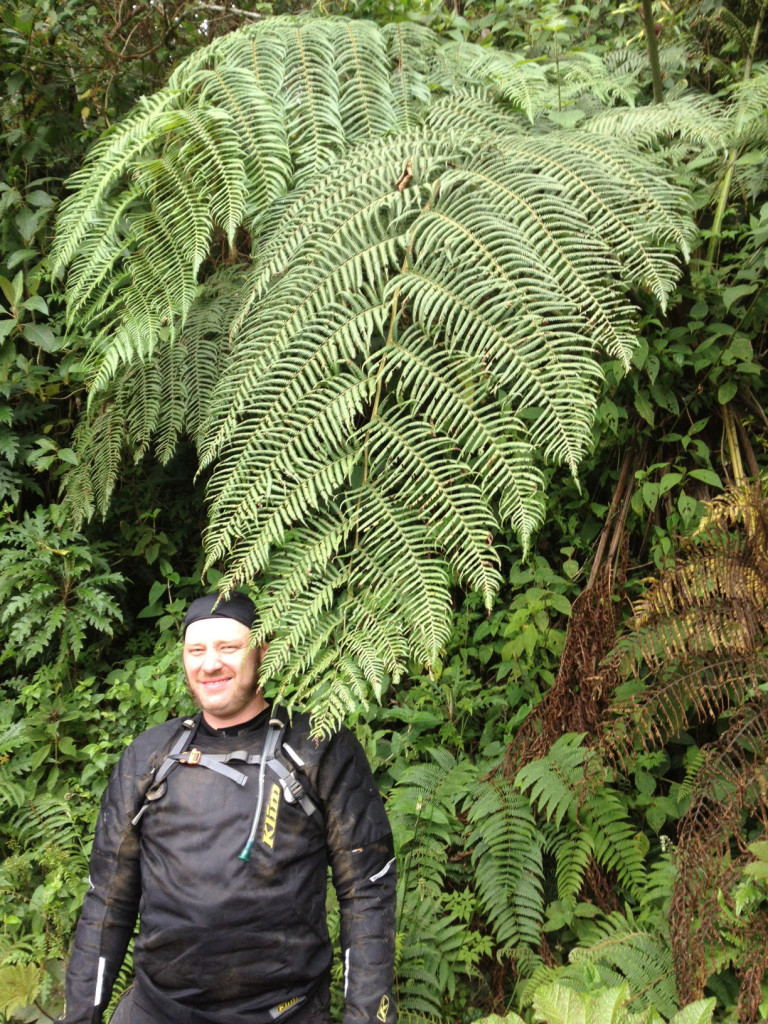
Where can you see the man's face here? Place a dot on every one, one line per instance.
(222, 674)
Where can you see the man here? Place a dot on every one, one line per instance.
(217, 831)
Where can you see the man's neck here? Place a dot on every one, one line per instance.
(250, 725)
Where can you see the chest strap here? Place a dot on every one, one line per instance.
(216, 762)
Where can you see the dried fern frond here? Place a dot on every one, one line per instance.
(697, 637)
(729, 803)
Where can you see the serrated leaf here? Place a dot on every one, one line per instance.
(40, 199)
(560, 603)
(8, 290)
(36, 302)
(699, 1012)
(67, 746)
(19, 256)
(67, 455)
(739, 291)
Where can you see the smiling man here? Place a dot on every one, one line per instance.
(222, 670)
(217, 831)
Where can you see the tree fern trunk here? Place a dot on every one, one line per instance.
(653, 51)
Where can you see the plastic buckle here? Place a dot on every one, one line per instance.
(292, 788)
(190, 756)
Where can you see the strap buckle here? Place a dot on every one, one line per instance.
(292, 788)
(190, 756)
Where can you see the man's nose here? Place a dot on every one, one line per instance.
(211, 661)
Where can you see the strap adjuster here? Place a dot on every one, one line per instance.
(292, 788)
(190, 756)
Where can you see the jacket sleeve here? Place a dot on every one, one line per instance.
(111, 904)
(364, 875)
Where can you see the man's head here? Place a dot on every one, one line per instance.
(222, 672)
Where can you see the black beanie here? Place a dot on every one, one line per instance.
(237, 606)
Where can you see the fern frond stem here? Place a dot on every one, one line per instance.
(746, 446)
(380, 371)
(755, 40)
(628, 463)
(231, 10)
(641, 460)
(652, 46)
(371, 420)
(722, 202)
(379, 386)
(725, 187)
(739, 477)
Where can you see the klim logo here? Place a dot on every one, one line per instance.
(282, 1007)
(383, 1010)
(270, 818)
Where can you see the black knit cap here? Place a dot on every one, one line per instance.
(212, 606)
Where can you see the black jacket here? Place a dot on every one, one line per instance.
(222, 940)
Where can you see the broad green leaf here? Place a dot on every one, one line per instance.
(43, 337)
(707, 476)
(699, 1012)
(36, 302)
(6, 326)
(644, 407)
(726, 392)
(739, 291)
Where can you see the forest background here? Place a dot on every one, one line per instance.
(577, 780)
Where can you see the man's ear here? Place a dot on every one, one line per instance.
(263, 651)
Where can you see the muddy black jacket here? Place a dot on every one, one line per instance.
(222, 940)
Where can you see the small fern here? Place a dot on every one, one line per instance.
(506, 857)
(568, 781)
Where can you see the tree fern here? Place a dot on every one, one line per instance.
(414, 292)
(698, 632)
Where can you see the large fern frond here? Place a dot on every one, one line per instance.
(422, 295)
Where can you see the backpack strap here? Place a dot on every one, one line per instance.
(274, 731)
(158, 787)
(296, 787)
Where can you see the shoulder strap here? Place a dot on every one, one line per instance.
(297, 788)
(274, 731)
(156, 790)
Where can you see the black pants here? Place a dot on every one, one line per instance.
(315, 1011)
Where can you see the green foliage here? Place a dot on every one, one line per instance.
(381, 412)
(568, 783)
(502, 891)
(557, 1004)
(54, 589)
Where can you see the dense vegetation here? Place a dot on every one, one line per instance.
(501, 377)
